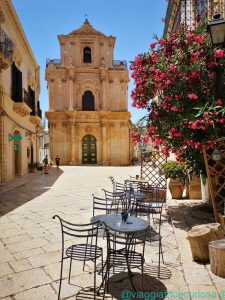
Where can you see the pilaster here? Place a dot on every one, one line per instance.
(104, 126)
(73, 160)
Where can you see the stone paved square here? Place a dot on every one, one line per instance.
(30, 240)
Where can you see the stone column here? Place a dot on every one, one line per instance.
(105, 161)
(72, 143)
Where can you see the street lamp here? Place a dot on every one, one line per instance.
(216, 28)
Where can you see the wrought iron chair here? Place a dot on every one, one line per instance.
(121, 253)
(117, 199)
(117, 186)
(152, 205)
(80, 251)
(104, 205)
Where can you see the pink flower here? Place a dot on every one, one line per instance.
(206, 115)
(192, 96)
(146, 139)
(219, 53)
(198, 39)
(174, 108)
(152, 45)
(160, 42)
(218, 102)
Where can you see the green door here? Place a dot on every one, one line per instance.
(89, 155)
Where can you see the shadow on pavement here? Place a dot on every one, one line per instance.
(26, 190)
(187, 215)
(120, 287)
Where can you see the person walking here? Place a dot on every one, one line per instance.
(57, 161)
(45, 162)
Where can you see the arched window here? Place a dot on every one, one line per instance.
(87, 55)
(88, 101)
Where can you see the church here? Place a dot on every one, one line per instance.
(88, 110)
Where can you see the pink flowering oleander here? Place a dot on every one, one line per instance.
(181, 72)
(219, 53)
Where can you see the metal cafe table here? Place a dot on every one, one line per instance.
(130, 227)
(114, 221)
(139, 180)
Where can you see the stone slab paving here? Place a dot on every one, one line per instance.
(30, 240)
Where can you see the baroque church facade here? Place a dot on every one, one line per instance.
(88, 111)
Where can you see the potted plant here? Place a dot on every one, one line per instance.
(39, 167)
(178, 175)
(32, 167)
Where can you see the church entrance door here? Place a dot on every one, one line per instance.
(89, 150)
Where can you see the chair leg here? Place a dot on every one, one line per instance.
(60, 280)
(102, 266)
(142, 273)
(161, 252)
(130, 274)
(95, 279)
(70, 270)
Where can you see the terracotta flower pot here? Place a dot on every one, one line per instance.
(176, 188)
(195, 188)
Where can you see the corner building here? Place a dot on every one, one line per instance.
(20, 113)
(88, 117)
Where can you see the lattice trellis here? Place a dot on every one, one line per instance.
(216, 176)
(151, 164)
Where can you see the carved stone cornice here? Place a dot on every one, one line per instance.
(35, 120)
(21, 108)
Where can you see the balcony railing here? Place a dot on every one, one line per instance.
(120, 64)
(6, 46)
(53, 61)
(29, 101)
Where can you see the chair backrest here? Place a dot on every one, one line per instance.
(104, 206)
(135, 186)
(127, 242)
(119, 187)
(78, 230)
(118, 199)
(112, 179)
(151, 203)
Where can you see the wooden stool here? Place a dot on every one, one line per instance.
(199, 238)
(217, 257)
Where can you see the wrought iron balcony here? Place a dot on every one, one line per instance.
(119, 65)
(29, 101)
(6, 50)
(53, 61)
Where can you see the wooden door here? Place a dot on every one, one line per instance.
(89, 153)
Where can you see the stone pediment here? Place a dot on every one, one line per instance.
(86, 29)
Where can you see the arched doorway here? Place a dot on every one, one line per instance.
(89, 150)
(88, 101)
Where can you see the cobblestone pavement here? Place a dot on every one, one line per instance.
(30, 240)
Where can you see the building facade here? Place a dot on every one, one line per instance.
(20, 112)
(88, 117)
(186, 11)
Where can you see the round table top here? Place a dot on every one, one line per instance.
(133, 224)
(140, 180)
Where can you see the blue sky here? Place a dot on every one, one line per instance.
(132, 22)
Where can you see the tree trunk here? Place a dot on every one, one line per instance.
(217, 257)
(200, 236)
